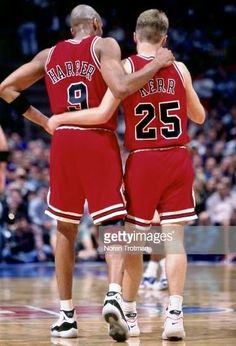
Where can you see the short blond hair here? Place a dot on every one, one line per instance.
(152, 25)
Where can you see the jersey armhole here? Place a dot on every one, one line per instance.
(93, 52)
(129, 66)
(49, 57)
(179, 73)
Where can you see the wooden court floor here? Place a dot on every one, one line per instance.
(29, 304)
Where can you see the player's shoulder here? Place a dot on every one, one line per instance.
(181, 66)
(106, 42)
(42, 56)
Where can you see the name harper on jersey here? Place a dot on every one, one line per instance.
(158, 85)
(71, 69)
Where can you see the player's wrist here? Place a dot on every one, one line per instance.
(4, 155)
(20, 104)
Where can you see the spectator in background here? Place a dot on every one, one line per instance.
(3, 160)
(25, 243)
(12, 206)
(27, 29)
(221, 204)
(37, 204)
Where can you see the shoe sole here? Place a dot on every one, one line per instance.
(174, 336)
(72, 333)
(118, 330)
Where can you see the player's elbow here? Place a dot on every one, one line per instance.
(102, 119)
(120, 91)
(198, 116)
(5, 89)
(200, 120)
(2, 90)
(201, 116)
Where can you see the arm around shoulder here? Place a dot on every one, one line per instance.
(121, 83)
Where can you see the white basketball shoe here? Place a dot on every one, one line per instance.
(173, 325)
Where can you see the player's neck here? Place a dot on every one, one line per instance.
(82, 34)
(147, 49)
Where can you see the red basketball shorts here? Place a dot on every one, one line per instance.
(85, 164)
(159, 180)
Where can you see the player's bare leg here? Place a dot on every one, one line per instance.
(176, 266)
(112, 308)
(131, 281)
(130, 285)
(66, 326)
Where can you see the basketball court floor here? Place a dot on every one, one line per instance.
(29, 304)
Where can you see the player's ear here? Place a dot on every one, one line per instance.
(164, 41)
(135, 37)
(95, 24)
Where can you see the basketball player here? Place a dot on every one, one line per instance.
(4, 153)
(85, 161)
(158, 174)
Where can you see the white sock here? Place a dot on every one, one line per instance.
(129, 307)
(151, 269)
(163, 269)
(114, 288)
(66, 305)
(175, 303)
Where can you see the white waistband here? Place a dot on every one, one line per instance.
(68, 127)
(159, 149)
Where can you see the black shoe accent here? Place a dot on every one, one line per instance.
(131, 315)
(69, 313)
(111, 293)
(65, 326)
(175, 312)
(117, 305)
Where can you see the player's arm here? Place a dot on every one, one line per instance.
(121, 83)
(91, 116)
(22, 78)
(196, 111)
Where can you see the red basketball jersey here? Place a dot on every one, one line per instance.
(73, 78)
(156, 115)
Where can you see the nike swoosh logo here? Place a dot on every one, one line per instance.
(174, 323)
(132, 326)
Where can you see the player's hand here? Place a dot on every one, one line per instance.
(52, 124)
(164, 57)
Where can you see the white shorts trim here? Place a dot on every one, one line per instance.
(184, 218)
(109, 216)
(183, 211)
(138, 219)
(61, 218)
(119, 205)
(59, 210)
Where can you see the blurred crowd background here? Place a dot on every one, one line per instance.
(201, 35)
